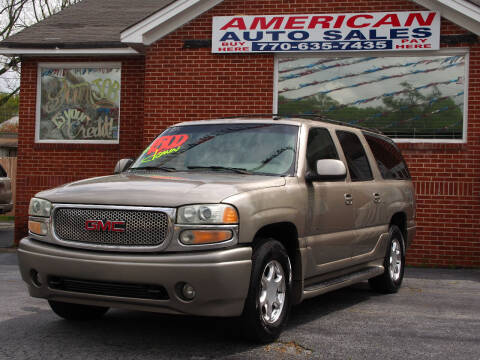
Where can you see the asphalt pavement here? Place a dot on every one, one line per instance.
(6, 234)
(436, 315)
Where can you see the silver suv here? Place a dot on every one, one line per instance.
(242, 217)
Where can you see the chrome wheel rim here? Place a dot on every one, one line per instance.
(395, 266)
(272, 292)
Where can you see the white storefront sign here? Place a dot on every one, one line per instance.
(386, 31)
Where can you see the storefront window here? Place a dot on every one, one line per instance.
(78, 103)
(408, 97)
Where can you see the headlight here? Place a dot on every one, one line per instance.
(39, 207)
(207, 214)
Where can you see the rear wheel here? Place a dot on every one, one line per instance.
(394, 264)
(268, 302)
(77, 311)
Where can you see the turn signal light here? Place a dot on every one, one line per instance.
(37, 227)
(199, 237)
(230, 216)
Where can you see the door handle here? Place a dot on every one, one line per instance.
(376, 198)
(348, 199)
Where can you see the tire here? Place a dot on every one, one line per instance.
(77, 312)
(391, 280)
(267, 305)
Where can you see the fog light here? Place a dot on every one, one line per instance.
(37, 227)
(188, 292)
(35, 276)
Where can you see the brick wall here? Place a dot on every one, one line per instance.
(43, 166)
(183, 84)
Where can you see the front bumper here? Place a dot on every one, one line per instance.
(220, 278)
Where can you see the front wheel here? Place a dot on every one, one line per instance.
(394, 264)
(268, 302)
(77, 311)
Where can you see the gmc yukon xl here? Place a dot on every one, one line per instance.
(239, 217)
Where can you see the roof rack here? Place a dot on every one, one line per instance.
(308, 117)
(274, 116)
(335, 122)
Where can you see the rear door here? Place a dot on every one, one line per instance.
(365, 194)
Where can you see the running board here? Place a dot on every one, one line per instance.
(341, 281)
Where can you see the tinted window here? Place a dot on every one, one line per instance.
(357, 160)
(320, 146)
(389, 159)
(3, 173)
(261, 149)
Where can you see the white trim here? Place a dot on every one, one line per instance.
(465, 95)
(460, 12)
(443, 51)
(95, 51)
(429, 141)
(275, 85)
(72, 65)
(166, 20)
(77, 64)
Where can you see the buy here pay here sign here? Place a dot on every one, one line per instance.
(416, 30)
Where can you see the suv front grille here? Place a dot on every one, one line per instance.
(139, 227)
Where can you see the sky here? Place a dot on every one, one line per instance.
(10, 80)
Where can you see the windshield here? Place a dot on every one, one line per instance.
(264, 149)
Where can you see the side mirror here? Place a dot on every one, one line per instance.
(122, 165)
(328, 170)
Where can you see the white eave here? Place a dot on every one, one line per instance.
(460, 12)
(165, 21)
(177, 14)
(50, 52)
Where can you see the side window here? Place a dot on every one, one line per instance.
(320, 146)
(389, 159)
(357, 160)
(3, 173)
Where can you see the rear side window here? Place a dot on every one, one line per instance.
(357, 160)
(388, 157)
(320, 146)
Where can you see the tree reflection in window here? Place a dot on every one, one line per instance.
(405, 97)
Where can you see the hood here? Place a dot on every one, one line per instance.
(158, 188)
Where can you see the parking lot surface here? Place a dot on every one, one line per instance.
(436, 315)
(6, 234)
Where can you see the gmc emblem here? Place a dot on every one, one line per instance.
(105, 225)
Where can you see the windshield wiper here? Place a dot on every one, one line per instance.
(163, 168)
(234, 169)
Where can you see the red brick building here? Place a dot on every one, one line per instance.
(136, 67)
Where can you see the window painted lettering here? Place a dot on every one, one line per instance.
(164, 143)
